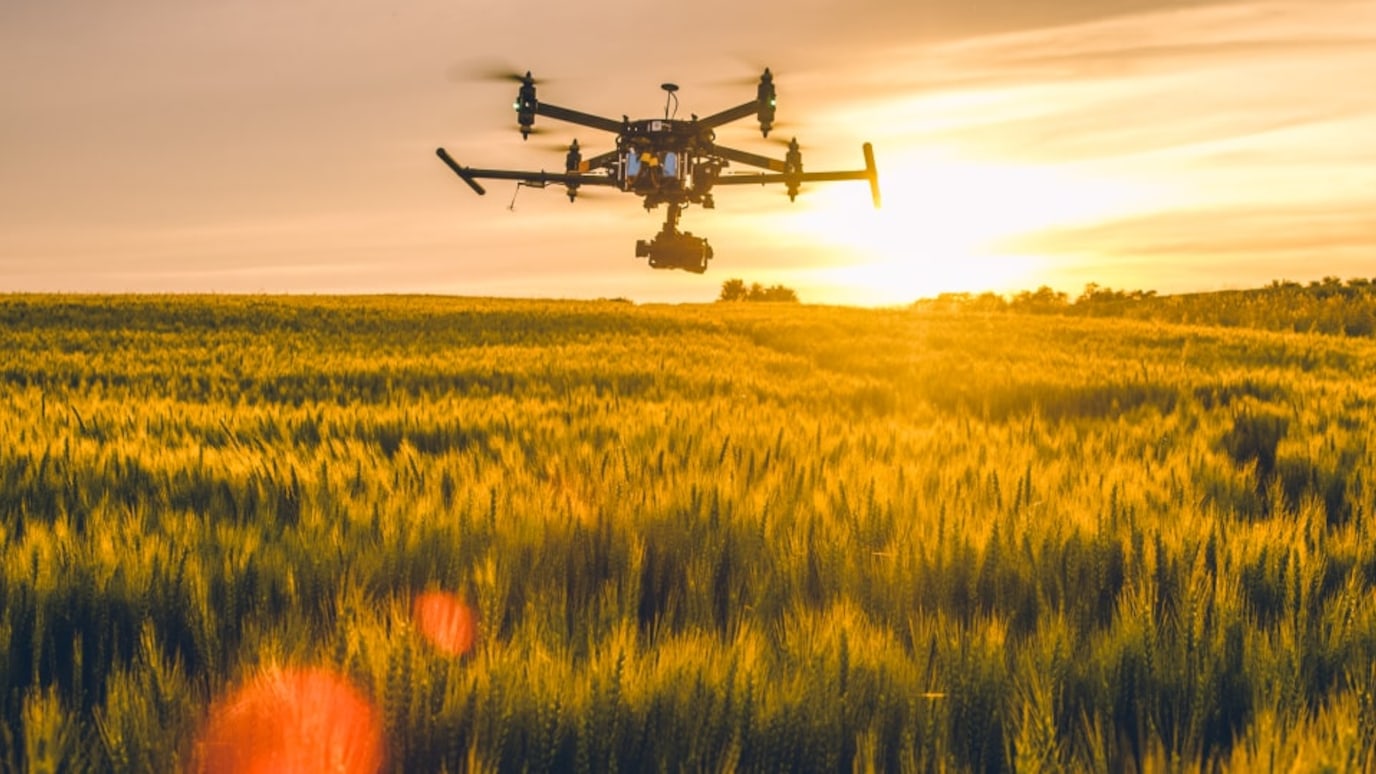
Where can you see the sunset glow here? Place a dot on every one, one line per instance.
(947, 224)
(1136, 144)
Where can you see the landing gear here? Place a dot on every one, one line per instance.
(673, 249)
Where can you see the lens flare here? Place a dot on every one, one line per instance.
(291, 721)
(446, 621)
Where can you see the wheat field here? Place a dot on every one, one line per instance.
(722, 537)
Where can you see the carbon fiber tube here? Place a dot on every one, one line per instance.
(458, 170)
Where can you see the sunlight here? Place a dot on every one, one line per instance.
(945, 223)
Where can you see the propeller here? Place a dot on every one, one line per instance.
(548, 145)
(736, 81)
(746, 135)
(741, 80)
(784, 140)
(491, 70)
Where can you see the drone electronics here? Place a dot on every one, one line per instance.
(665, 161)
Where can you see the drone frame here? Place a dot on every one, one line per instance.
(665, 161)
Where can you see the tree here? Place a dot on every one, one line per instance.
(772, 293)
(732, 290)
(1042, 300)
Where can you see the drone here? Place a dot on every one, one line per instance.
(666, 161)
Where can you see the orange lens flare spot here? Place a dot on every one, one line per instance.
(446, 621)
(288, 721)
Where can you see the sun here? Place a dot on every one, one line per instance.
(947, 225)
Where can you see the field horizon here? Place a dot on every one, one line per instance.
(737, 536)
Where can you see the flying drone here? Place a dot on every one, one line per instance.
(664, 161)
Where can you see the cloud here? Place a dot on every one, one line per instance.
(1110, 85)
(1236, 232)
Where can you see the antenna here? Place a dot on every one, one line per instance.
(669, 89)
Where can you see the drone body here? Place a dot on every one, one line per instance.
(665, 161)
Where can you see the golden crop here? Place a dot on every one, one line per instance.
(719, 537)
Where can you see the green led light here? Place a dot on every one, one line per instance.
(516, 104)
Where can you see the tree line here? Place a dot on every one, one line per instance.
(1330, 306)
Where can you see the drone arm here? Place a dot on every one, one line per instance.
(744, 157)
(541, 178)
(869, 173)
(470, 175)
(762, 107)
(602, 160)
(736, 113)
(580, 118)
(464, 174)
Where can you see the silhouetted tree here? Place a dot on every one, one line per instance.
(735, 290)
(772, 293)
(1043, 299)
(988, 301)
(732, 290)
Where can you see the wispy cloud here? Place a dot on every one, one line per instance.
(1228, 231)
(1131, 84)
(1251, 123)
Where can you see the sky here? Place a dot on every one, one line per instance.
(288, 146)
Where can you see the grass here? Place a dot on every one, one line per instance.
(716, 537)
